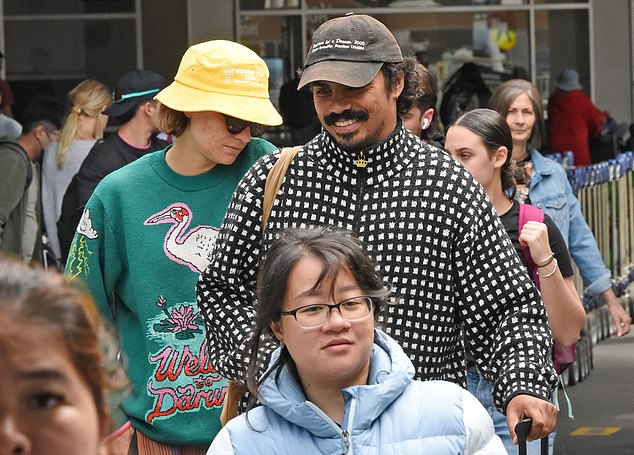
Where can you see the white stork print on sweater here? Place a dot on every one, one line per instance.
(191, 248)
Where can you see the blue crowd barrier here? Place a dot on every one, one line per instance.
(606, 194)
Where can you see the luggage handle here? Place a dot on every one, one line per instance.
(522, 429)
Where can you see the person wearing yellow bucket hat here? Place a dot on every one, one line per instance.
(220, 89)
(147, 233)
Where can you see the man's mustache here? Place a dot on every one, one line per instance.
(330, 119)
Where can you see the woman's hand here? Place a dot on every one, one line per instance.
(565, 312)
(622, 321)
(534, 235)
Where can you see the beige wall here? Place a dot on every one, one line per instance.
(613, 58)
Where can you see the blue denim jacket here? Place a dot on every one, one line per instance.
(551, 192)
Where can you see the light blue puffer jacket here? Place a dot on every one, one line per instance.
(391, 415)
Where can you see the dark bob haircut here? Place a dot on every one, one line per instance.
(336, 249)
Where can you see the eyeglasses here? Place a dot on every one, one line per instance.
(117, 96)
(313, 316)
(52, 135)
(237, 126)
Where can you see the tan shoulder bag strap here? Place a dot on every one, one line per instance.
(274, 181)
(236, 389)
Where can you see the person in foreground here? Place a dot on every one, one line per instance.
(545, 185)
(481, 140)
(147, 232)
(424, 219)
(337, 384)
(54, 377)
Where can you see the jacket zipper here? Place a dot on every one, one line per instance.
(345, 434)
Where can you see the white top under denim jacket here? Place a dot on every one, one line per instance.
(550, 190)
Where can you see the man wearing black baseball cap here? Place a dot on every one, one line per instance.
(136, 112)
(424, 219)
(132, 89)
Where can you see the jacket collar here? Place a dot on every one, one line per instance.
(542, 167)
(382, 160)
(391, 371)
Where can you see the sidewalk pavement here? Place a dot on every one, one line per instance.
(602, 404)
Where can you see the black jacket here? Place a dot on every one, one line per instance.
(437, 243)
(107, 155)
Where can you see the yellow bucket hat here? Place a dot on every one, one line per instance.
(222, 76)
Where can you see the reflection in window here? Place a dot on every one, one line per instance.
(37, 64)
(554, 31)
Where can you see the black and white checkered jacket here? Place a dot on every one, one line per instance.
(437, 242)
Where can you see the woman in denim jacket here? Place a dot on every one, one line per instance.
(545, 185)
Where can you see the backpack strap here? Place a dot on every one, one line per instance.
(274, 181)
(529, 213)
(236, 389)
(12, 145)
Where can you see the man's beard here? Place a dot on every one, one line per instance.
(348, 114)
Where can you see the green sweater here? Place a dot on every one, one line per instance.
(145, 236)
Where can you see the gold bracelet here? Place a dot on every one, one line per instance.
(546, 261)
(549, 273)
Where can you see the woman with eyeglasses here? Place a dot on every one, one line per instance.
(148, 231)
(83, 126)
(337, 384)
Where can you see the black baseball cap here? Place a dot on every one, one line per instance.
(349, 50)
(134, 87)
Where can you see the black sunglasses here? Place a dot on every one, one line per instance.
(237, 126)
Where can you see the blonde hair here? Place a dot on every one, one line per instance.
(87, 98)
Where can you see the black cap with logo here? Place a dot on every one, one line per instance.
(349, 50)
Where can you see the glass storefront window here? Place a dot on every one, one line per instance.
(36, 64)
(554, 33)
(346, 3)
(90, 47)
(407, 3)
(39, 7)
(496, 41)
(540, 2)
(499, 41)
(277, 39)
(269, 4)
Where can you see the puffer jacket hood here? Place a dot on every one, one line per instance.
(391, 415)
(391, 371)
